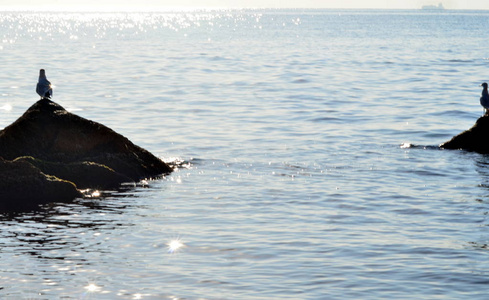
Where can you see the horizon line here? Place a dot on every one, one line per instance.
(199, 8)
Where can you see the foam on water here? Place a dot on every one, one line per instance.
(307, 150)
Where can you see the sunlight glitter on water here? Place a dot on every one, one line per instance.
(6, 107)
(287, 156)
(175, 245)
(92, 288)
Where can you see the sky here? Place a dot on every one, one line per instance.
(149, 4)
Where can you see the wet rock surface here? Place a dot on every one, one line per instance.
(85, 175)
(23, 186)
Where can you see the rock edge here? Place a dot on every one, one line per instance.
(474, 139)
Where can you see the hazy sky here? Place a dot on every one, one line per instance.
(141, 4)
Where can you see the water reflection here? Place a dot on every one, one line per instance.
(63, 240)
(68, 231)
(58, 230)
(482, 167)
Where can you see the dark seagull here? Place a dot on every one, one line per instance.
(44, 88)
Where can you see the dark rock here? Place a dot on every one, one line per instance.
(23, 186)
(83, 174)
(46, 131)
(475, 139)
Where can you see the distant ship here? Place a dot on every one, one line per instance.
(433, 7)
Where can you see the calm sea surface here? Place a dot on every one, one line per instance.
(308, 148)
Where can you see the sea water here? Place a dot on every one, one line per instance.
(307, 149)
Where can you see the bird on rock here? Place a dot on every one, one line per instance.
(44, 88)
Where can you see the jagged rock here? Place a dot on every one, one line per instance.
(83, 174)
(46, 131)
(23, 186)
(475, 139)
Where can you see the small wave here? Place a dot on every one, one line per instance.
(179, 163)
(427, 173)
(460, 61)
(453, 112)
(434, 135)
(218, 58)
(301, 80)
(326, 119)
(413, 146)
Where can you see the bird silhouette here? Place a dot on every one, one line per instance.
(43, 87)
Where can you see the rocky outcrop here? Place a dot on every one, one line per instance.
(66, 149)
(48, 132)
(23, 186)
(475, 139)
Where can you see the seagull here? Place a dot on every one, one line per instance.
(44, 88)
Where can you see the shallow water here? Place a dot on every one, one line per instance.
(291, 126)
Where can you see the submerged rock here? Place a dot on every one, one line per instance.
(475, 139)
(23, 186)
(51, 150)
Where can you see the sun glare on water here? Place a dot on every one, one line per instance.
(91, 6)
(92, 288)
(6, 107)
(174, 245)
